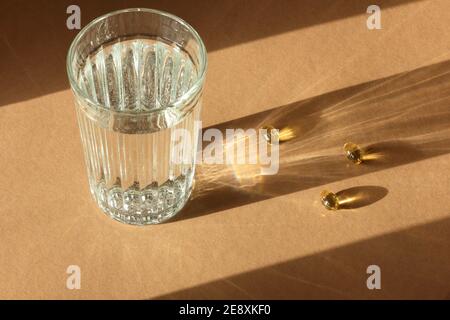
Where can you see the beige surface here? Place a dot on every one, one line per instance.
(311, 65)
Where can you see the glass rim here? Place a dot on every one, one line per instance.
(179, 102)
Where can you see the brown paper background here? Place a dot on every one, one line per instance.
(310, 65)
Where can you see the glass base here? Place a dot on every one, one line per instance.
(145, 217)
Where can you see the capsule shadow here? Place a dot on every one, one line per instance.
(361, 196)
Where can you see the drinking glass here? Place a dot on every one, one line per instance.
(137, 76)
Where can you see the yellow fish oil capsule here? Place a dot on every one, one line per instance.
(270, 134)
(353, 152)
(282, 135)
(330, 200)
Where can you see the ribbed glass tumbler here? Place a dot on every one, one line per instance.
(137, 77)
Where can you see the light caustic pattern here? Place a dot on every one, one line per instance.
(131, 174)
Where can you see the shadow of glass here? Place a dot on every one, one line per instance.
(402, 119)
(36, 60)
(361, 196)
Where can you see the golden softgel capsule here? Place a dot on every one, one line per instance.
(273, 134)
(353, 152)
(330, 200)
